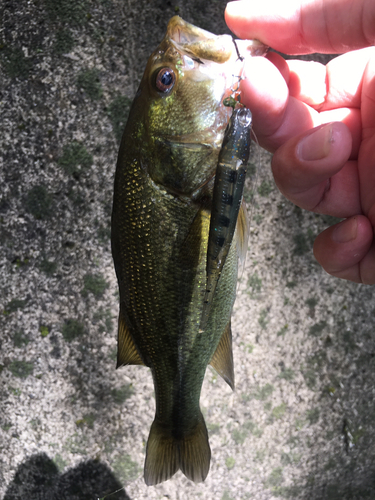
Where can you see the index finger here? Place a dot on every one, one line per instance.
(317, 94)
(276, 115)
(301, 27)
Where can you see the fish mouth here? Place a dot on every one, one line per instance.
(201, 44)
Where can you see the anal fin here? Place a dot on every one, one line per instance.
(222, 360)
(127, 353)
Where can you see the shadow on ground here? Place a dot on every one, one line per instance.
(38, 478)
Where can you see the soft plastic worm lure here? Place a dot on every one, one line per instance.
(227, 197)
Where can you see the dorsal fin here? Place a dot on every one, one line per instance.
(127, 353)
(222, 360)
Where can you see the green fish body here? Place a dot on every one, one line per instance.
(160, 230)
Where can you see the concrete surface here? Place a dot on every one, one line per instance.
(300, 423)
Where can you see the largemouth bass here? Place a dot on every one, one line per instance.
(177, 288)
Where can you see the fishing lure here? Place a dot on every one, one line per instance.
(227, 198)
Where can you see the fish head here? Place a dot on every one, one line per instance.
(179, 104)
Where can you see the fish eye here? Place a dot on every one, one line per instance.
(165, 80)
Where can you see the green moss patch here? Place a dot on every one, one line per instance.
(275, 478)
(279, 411)
(287, 374)
(39, 202)
(13, 305)
(262, 320)
(64, 42)
(317, 329)
(20, 339)
(265, 188)
(264, 392)
(95, 284)
(313, 415)
(123, 393)
(125, 468)
(87, 420)
(104, 316)
(118, 112)
(68, 11)
(72, 329)
(300, 244)
(255, 284)
(75, 158)
(48, 267)
(14, 62)
(21, 369)
(89, 81)
(44, 331)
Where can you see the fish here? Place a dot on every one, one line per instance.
(178, 183)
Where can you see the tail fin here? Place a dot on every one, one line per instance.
(165, 454)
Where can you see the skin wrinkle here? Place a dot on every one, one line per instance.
(362, 264)
(370, 40)
(323, 197)
(301, 30)
(363, 19)
(274, 133)
(371, 214)
(368, 97)
(320, 107)
(305, 40)
(360, 273)
(327, 89)
(326, 24)
(286, 111)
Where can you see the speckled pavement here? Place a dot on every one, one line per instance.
(300, 424)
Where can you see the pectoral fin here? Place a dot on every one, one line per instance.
(222, 360)
(127, 353)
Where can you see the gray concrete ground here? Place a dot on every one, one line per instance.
(300, 423)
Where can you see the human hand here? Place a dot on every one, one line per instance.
(319, 120)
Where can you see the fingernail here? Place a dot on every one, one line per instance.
(234, 8)
(317, 145)
(345, 231)
(231, 6)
